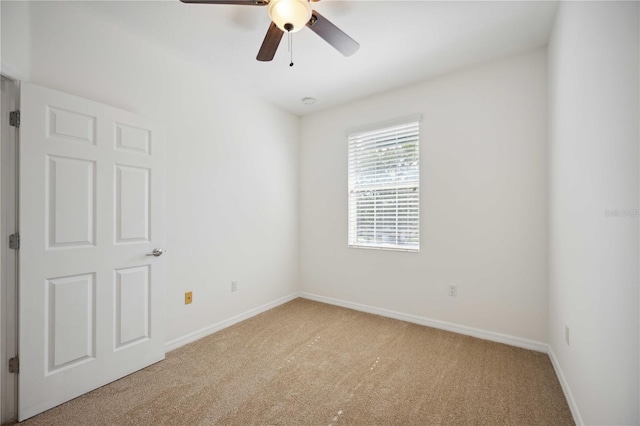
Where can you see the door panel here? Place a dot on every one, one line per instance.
(133, 139)
(132, 204)
(71, 126)
(132, 305)
(92, 200)
(71, 306)
(71, 202)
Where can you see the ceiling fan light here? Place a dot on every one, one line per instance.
(294, 12)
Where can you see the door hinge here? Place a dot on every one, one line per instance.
(14, 365)
(14, 241)
(14, 118)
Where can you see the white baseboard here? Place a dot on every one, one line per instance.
(199, 334)
(443, 325)
(577, 418)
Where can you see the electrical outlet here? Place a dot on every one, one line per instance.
(566, 334)
(188, 297)
(234, 285)
(453, 290)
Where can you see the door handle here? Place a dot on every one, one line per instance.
(156, 252)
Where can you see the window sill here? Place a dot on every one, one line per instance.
(356, 246)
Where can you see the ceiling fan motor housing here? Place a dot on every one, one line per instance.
(290, 15)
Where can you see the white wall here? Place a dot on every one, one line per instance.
(232, 161)
(593, 80)
(483, 201)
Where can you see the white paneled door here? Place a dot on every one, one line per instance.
(91, 210)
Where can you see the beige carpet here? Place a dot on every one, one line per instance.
(307, 363)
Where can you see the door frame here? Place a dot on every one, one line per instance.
(9, 196)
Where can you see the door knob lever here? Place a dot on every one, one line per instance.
(156, 252)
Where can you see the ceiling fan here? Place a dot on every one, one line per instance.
(291, 16)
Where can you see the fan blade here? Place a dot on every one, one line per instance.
(332, 34)
(270, 43)
(238, 2)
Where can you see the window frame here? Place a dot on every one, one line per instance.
(390, 186)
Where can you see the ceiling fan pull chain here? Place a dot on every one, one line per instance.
(291, 54)
(290, 45)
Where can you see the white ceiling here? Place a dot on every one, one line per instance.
(400, 42)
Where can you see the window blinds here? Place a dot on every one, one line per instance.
(384, 188)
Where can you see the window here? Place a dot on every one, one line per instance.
(384, 187)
